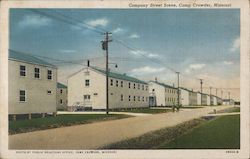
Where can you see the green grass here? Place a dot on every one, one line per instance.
(147, 110)
(21, 126)
(222, 132)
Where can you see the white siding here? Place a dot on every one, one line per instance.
(198, 99)
(37, 98)
(184, 97)
(97, 91)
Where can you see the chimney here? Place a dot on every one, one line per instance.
(88, 63)
(155, 79)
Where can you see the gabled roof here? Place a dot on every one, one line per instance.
(60, 85)
(163, 84)
(187, 90)
(24, 57)
(119, 76)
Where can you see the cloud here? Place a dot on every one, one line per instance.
(193, 67)
(134, 36)
(197, 66)
(34, 21)
(144, 53)
(98, 22)
(235, 45)
(146, 70)
(228, 62)
(68, 51)
(118, 30)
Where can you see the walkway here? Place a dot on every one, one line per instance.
(92, 136)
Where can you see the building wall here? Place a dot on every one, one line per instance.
(184, 97)
(61, 94)
(208, 100)
(171, 96)
(192, 98)
(118, 95)
(37, 98)
(159, 92)
(204, 99)
(96, 89)
(214, 100)
(165, 96)
(198, 99)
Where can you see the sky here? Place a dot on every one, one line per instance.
(198, 43)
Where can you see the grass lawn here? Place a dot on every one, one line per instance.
(21, 126)
(147, 110)
(222, 132)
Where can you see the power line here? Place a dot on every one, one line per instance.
(67, 21)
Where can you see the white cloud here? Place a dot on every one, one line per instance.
(68, 51)
(235, 45)
(98, 22)
(144, 53)
(34, 21)
(134, 36)
(193, 67)
(146, 70)
(197, 66)
(117, 30)
(228, 62)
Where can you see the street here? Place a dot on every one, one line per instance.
(92, 136)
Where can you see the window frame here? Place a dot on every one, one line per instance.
(87, 82)
(37, 73)
(25, 96)
(49, 74)
(22, 71)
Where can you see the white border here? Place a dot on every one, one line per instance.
(244, 82)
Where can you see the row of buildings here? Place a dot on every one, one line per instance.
(33, 89)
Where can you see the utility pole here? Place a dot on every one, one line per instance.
(216, 91)
(229, 96)
(178, 91)
(221, 94)
(105, 47)
(201, 81)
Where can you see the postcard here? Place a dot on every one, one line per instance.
(124, 79)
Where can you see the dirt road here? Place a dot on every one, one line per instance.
(92, 136)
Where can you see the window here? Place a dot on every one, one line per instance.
(129, 85)
(117, 83)
(146, 99)
(61, 102)
(37, 72)
(111, 82)
(146, 88)
(22, 95)
(153, 90)
(86, 97)
(121, 97)
(22, 70)
(121, 83)
(142, 87)
(129, 98)
(134, 98)
(138, 86)
(143, 99)
(87, 82)
(61, 91)
(49, 92)
(134, 85)
(138, 98)
(49, 74)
